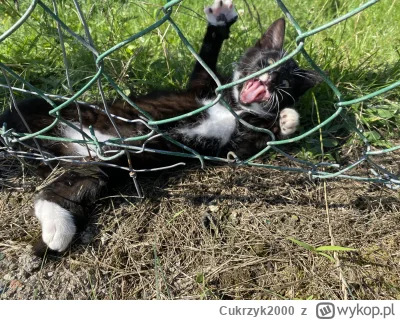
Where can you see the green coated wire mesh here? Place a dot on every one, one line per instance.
(321, 170)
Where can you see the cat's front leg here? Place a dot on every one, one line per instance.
(220, 16)
(289, 120)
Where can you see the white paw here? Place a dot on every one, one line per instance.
(221, 12)
(288, 121)
(58, 227)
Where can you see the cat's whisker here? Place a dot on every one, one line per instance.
(274, 102)
(269, 104)
(306, 75)
(276, 118)
(294, 101)
(302, 76)
(279, 91)
(283, 53)
(302, 72)
(278, 109)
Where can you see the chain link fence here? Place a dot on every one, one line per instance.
(321, 170)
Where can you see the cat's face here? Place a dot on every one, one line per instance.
(280, 87)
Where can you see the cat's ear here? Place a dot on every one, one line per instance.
(307, 80)
(273, 38)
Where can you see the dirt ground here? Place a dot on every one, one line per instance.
(221, 233)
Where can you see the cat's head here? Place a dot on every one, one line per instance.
(279, 87)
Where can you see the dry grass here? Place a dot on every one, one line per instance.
(218, 234)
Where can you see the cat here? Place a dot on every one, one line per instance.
(265, 101)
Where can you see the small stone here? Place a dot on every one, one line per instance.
(8, 277)
(50, 274)
(213, 208)
(29, 263)
(295, 218)
(15, 284)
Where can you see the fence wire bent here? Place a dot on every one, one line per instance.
(315, 170)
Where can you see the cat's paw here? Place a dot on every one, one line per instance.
(221, 13)
(289, 119)
(58, 226)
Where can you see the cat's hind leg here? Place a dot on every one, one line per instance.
(62, 205)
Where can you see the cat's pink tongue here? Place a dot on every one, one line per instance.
(254, 91)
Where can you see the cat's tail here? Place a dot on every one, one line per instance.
(35, 112)
(29, 116)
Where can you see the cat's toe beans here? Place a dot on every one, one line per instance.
(228, 4)
(221, 13)
(58, 227)
(288, 121)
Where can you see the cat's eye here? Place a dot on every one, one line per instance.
(270, 61)
(285, 83)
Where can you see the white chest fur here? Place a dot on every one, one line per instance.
(218, 124)
(79, 149)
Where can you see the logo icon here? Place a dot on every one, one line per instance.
(325, 310)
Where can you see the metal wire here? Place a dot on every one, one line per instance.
(120, 148)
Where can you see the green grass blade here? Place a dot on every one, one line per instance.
(302, 244)
(327, 256)
(334, 248)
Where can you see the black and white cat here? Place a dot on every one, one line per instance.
(263, 101)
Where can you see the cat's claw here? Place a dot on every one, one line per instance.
(288, 121)
(221, 13)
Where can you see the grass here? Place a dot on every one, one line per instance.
(157, 248)
(360, 55)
